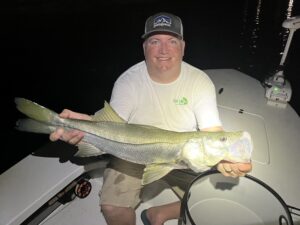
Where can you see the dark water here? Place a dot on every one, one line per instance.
(67, 54)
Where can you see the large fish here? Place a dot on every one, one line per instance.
(160, 150)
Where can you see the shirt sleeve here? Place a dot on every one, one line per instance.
(206, 109)
(123, 98)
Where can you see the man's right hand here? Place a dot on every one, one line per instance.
(73, 136)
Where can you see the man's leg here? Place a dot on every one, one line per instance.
(118, 215)
(120, 192)
(179, 181)
(158, 215)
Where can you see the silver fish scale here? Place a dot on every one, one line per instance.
(137, 153)
(134, 133)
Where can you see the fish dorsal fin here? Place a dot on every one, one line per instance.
(107, 113)
(86, 150)
(153, 172)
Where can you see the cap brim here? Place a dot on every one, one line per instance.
(149, 34)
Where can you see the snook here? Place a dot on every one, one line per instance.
(160, 150)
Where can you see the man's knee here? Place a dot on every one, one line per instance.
(118, 215)
(110, 210)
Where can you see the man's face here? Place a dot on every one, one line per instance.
(163, 52)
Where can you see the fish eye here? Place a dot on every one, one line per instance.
(223, 139)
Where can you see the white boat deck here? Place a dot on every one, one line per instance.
(35, 180)
(26, 186)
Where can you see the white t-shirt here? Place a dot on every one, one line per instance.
(186, 104)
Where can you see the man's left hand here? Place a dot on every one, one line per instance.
(230, 169)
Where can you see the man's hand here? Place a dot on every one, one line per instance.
(72, 136)
(230, 169)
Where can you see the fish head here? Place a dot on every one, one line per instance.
(232, 146)
(204, 152)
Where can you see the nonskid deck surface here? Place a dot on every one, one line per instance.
(82, 211)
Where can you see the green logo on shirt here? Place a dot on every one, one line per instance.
(181, 101)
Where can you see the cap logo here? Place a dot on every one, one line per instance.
(162, 21)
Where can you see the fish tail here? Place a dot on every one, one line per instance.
(35, 111)
(30, 125)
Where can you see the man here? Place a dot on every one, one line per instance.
(165, 92)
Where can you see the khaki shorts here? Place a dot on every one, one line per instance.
(124, 189)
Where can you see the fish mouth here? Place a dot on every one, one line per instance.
(241, 150)
(247, 138)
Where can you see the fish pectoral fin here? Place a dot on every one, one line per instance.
(153, 172)
(86, 150)
(107, 113)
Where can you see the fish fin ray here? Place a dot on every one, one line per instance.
(153, 172)
(107, 113)
(86, 150)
